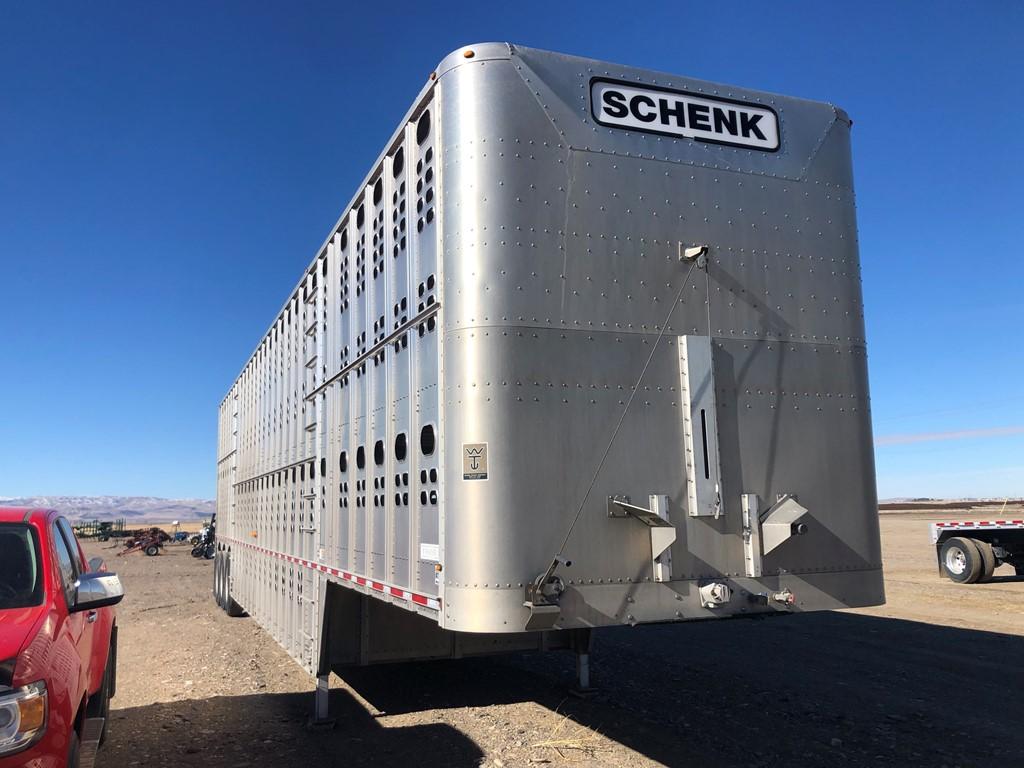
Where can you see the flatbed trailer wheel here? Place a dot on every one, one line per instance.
(988, 560)
(153, 550)
(961, 560)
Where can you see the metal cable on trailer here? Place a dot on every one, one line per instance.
(625, 410)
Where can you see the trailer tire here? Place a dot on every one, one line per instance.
(961, 560)
(988, 560)
(153, 550)
(233, 609)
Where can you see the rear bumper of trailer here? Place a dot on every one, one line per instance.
(601, 605)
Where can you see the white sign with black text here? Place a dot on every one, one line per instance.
(672, 112)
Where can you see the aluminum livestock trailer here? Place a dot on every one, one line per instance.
(586, 348)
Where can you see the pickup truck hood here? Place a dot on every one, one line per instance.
(18, 627)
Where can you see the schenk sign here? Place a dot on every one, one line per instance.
(669, 112)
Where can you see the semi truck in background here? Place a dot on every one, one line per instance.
(969, 551)
(586, 348)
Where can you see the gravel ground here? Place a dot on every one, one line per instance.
(930, 679)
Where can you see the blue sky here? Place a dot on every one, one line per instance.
(166, 172)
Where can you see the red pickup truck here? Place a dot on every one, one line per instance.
(58, 643)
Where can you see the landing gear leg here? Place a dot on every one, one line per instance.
(321, 719)
(581, 646)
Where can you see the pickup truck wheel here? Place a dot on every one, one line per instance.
(73, 751)
(99, 703)
(988, 560)
(961, 560)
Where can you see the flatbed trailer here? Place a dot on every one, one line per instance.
(969, 551)
(585, 348)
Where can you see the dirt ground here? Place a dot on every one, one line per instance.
(929, 679)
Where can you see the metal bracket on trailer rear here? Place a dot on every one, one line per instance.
(663, 533)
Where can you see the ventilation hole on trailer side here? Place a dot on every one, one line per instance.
(323, 467)
(423, 497)
(398, 163)
(423, 476)
(433, 475)
(429, 155)
(323, 268)
(419, 225)
(401, 446)
(430, 193)
(376, 483)
(433, 497)
(398, 499)
(419, 186)
(360, 457)
(405, 478)
(430, 282)
(360, 217)
(344, 487)
(344, 503)
(430, 215)
(427, 440)
(431, 323)
(378, 452)
(428, 177)
(423, 127)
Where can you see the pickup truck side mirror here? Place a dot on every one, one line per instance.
(97, 590)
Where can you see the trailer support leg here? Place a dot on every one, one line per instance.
(583, 671)
(581, 646)
(321, 719)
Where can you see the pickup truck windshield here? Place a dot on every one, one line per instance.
(21, 582)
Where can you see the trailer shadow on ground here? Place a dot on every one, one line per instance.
(271, 730)
(821, 689)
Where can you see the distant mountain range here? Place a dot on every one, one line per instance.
(140, 509)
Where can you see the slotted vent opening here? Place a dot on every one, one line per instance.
(427, 440)
(423, 127)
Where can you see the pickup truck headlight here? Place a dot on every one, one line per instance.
(22, 717)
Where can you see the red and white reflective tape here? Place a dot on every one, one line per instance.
(970, 525)
(378, 586)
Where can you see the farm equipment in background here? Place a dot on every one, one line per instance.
(205, 547)
(100, 530)
(150, 541)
